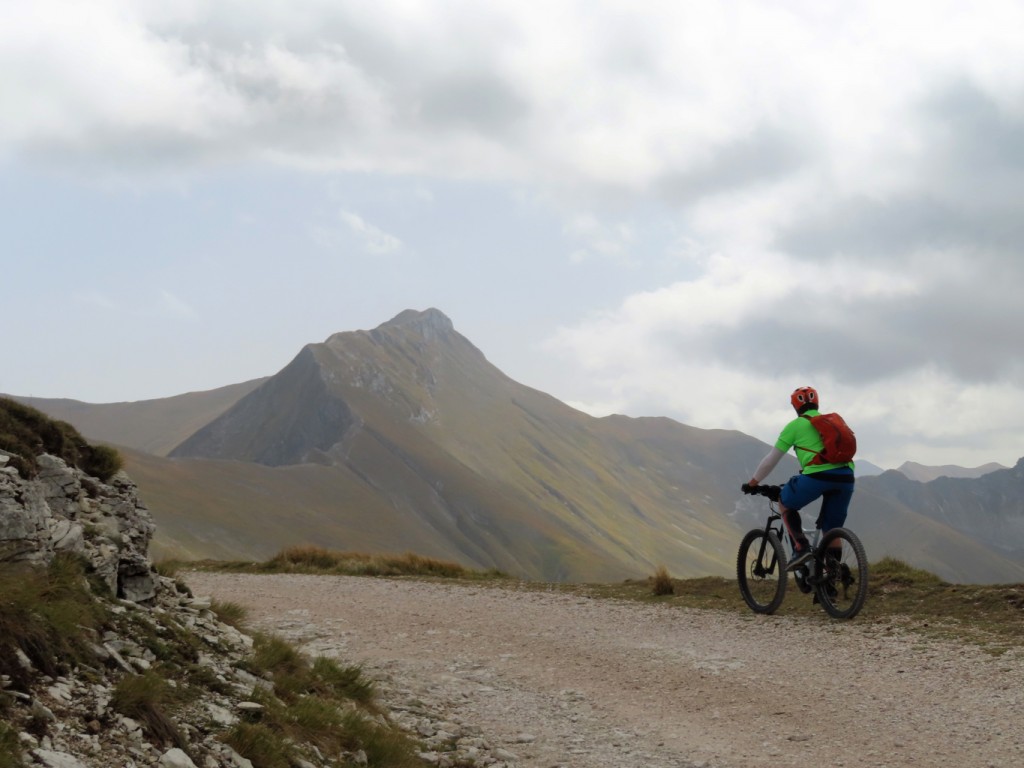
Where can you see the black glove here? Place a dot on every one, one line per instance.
(747, 488)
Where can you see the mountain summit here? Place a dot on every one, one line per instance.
(428, 323)
(312, 410)
(412, 414)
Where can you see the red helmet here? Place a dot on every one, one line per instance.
(804, 396)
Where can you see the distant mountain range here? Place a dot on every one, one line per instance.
(405, 437)
(925, 474)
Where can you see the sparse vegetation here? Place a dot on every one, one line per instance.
(49, 616)
(10, 749)
(347, 682)
(898, 596)
(150, 699)
(230, 613)
(266, 746)
(46, 614)
(319, 560)
(26, 433)
(320, 703)
(661, 582)
(890, 573)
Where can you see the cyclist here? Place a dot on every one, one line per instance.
(832, 483)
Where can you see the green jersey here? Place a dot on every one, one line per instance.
(803, 438)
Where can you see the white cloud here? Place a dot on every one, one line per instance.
(95, 299)
(725, 349)
(373, 239)
(576, 93)
(166, 304)
(611, 241)
(174, 306)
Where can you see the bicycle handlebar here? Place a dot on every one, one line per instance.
(771, 492)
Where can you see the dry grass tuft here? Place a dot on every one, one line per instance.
(309, 559)
(233, 614)
(661, 582)
(46, 613)
(149, 698)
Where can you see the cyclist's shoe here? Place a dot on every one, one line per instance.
(800, 558)
(845, 575)
(831, 591)
(800, 574)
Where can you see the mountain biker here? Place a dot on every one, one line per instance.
(832, 483)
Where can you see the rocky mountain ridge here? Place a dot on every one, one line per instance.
(923, 473)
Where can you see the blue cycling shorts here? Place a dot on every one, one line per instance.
(834, 487)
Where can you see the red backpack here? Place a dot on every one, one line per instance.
(837, 437)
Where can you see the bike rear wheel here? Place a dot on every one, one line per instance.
(841, 574)
(761, 571)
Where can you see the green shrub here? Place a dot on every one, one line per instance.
(26, 433)
(101, 461)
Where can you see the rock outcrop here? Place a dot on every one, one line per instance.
(63, 509)
(68, 721)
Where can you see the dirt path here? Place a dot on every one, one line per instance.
(558, 680)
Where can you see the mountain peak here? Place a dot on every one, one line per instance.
(428, 323)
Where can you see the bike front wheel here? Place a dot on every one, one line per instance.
(761, 571)
(841, 574)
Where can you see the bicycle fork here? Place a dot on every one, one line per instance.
(762, 568)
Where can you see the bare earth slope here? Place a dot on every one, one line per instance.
(558, 680)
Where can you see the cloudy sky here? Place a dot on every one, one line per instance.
(651, 208)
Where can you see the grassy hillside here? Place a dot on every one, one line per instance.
(153, 426)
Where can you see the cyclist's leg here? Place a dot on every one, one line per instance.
(835, 503)
(800, 491)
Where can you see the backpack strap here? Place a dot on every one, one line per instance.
(817, 454)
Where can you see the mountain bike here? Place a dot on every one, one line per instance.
(837, 574)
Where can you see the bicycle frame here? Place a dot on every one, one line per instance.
(813, 536)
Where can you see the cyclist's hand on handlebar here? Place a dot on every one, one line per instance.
(748, 487)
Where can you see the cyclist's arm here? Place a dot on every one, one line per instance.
(768, 463)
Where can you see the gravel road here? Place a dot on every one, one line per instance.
(558, 680)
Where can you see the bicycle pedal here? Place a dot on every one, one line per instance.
(801, 576)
